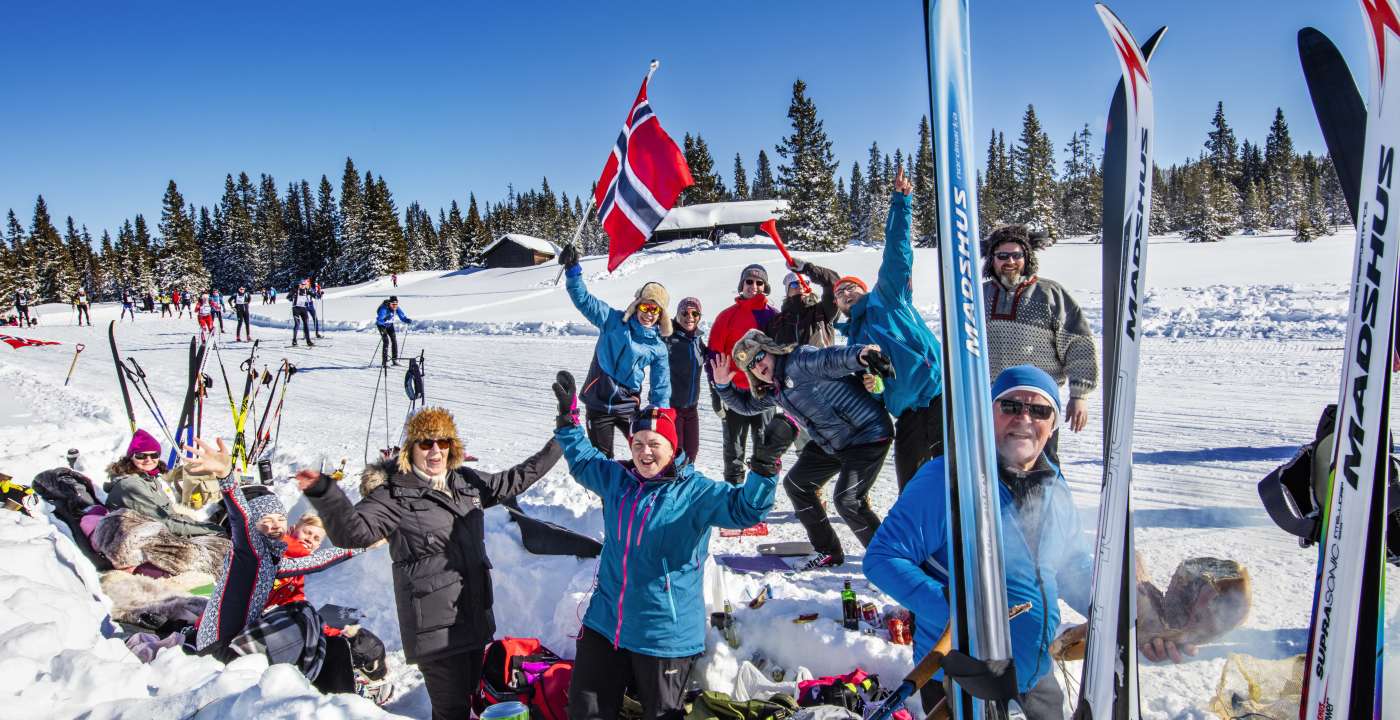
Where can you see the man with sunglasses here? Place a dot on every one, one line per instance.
(750, 311)
(885, 315)
(1034, 321)
(686, 347)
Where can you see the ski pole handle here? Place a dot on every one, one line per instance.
(770, 228)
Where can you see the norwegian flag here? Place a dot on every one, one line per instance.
(640, 182)
(19, 342)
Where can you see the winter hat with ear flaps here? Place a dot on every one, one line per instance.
(758, 271)
(654, 293)
(431, 424)
(748, 347)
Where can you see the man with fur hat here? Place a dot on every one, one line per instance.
(629, 342)
(686, 345)
(645, 623)
(1045, 556)
(429, 507)
(849, 429)
(750, 311)
(1034, 321)
(885, 315)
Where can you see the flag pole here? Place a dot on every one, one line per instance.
(651, 70)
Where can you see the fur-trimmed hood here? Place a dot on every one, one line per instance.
(376, 474)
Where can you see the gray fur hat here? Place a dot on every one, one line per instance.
(747, 349)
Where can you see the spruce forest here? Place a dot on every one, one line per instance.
(260, 233)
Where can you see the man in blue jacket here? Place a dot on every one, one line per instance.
(645, 624)
(384, 320)
(885, 316)
(1043, 548)
(629, 342)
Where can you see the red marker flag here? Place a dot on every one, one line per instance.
(640, 182)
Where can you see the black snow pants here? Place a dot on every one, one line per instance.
(242, 312)
(451, 680)
(918, 438)
(737, 429)
(601, 427)
(855, 469)
(602, 673)
(299, 318)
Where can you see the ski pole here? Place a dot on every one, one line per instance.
(383, 375)
(78, 350)
(377, 345)
(770, 228)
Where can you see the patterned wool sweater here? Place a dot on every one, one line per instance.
(1038, 323)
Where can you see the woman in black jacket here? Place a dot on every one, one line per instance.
(430, 510)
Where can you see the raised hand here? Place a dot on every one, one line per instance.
(722, 369)
(208, 459)
(568, 256)
(901, 183)
(565, 394)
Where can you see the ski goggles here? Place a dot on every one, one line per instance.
(757, 358)
(145, 456)
(649, 309)
(427, 443)
(1014, 255)
(1035, 410)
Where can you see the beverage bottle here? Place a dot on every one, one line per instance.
(731, 629)
(850, 608)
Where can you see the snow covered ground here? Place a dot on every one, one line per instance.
(1243, 350)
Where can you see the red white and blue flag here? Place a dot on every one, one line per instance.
(640, 182)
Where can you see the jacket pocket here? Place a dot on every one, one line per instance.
(436, 601)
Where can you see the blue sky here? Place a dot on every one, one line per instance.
(104, 102)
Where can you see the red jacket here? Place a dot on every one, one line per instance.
(735, 320)
(292, 589)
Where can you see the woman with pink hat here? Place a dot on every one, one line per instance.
(134, 482)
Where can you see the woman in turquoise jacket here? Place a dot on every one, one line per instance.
(629, 342)
(645, 623)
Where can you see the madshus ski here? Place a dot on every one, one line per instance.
(977, 580)
(121, 375)
(1109, 687)
(1345, 641)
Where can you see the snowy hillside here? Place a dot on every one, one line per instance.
(1243, 351)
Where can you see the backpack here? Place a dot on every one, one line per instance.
(1293, 493)
(848, 691)
(523, 670)
(714, 705)
(71, 493)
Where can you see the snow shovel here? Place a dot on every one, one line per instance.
(76, 352)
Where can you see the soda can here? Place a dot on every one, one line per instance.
(777, 672)
(897, 630)
(870, 614)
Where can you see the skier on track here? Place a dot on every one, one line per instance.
(629, 342)
(216, 307)
(686, 346)
(187, 301)
(128, 305)
(886, 316)
(1034, 321)
(750, 311)
(241, 300)
(301, 298)
(1043, 550)
(22, 307)
(849, 428)
(384, 319)
(645, 623)
(176, 299)
(429, 507)
(84, 308)
(313, 289)
(204, 311)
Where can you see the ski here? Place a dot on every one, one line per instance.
(184, 429)
(1342, 676)
(977, 579)
(121, 376)
(1109, 686)
(1341, 112)
(272, 414)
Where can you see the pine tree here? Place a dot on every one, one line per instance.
(925, 189)
(270, 236)
(991, 212)
(1035, 180)
(1202, 216)
(1252, 210)
(1303, 228)
(474, 232)
(807, 178)
(1333, 199)
(1081, 201)
(57, 280)
(1252, 168)
(877, 197)
(111, 285)
(1222, 149)
(300, 254)
(25, 266)
(764, 187)
(709, 186)
(856, 210)
(352, 225)
(1280, 167)
(420, 255)
(78, 258)
(181, 263)
(741, 179)
(325, 233)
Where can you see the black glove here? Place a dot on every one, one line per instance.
(568, 256)
(880, 364)
(777, 436)
(564, 394)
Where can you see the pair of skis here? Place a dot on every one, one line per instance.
(130, 373)
(978, 625)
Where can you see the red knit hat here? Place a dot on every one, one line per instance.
(852, 279)
(658, 420)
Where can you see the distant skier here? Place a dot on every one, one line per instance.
(313, 289)
(272, 295)
(204, 312)
(630, 342)
(750, 311)
(187, 301)
(1034, 321)
(1045, 556)
(384, 319)
(128, 305)
(22, 307)
(241, 300)
(300, 297)
(849, 429)
(175, 299)
(885, 315)
(687, 357)
(216, 307)
(149, 301)
(394, 278)
(165, 305)
(84, 308)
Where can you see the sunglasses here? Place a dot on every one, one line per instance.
(849, 289)
(753, 281)
(794, 284)
(649, 308)
(1035, 410)
(427, 443)
(757, 358)
(1004, 256)
(145, 456)
(691, 313)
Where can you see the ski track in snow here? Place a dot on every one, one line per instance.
(1232, 380)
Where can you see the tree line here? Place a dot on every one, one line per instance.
(262, 234)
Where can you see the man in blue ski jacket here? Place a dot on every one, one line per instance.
(885, 315)
(384, 320)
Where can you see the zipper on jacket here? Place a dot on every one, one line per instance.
(666, 568)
